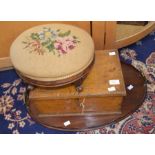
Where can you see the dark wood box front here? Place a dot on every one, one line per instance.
(76, 107)
(95, 99)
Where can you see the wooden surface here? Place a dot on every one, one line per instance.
(105, 68)
(136, 36)
(110, 37)
(95, 99)
(125, 31)
(139, 23)
(76, 107)
(5, 63)
(76, 79)
(9, 30)
(103, 33)
(98, 34)
(131, 102)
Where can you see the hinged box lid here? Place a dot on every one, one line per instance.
(106, 67)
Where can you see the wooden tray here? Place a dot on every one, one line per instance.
(131, 102)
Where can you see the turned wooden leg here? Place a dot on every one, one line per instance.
(78, 85)
(29, 88)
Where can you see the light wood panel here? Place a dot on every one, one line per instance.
(110, 37)
(5, 63)
(98, 34)
(9, 30)
(124, 30)
(104, 35)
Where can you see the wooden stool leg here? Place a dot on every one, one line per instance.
(78, 85)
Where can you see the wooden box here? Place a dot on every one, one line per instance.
(95, 99)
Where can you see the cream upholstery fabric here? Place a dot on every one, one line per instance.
(52, 52)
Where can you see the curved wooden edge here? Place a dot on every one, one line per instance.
(134, 38)
(127, 109)
(53, 84)
(5, 64)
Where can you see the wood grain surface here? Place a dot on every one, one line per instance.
(5, 63)
(131, 102)
(96, 84)
(95, 99)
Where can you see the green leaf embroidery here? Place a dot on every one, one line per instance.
(44, 43)
(35, 36)
(50, 46)
(49, 43)
(65, 34)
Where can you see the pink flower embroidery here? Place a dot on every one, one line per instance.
(53, 41)
(63, 45)
(35, 46)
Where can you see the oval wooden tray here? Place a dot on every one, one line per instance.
(131, 102)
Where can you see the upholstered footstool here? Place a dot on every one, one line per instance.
(53, 55)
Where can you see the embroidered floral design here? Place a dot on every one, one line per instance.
(128, 54)
(15, 117)
(151, 59)
(6, 103)
(148, 69)
(15, 132)
(11, 126)
(11, 88)
(21, 94)
(17, 120)
(53, 41)
(151, 88)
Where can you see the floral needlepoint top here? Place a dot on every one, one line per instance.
(49, 40)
